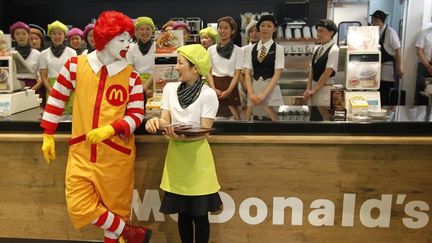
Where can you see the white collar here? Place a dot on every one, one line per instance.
(267, 44)
(327, 45)
(381, 31)
(112, 68)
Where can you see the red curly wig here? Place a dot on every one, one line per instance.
(109, 25)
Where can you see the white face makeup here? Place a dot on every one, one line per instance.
(119, 45)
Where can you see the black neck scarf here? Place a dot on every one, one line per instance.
(80, 50)
(57, 51)
(187, 94)
(24, 51)
(145, 47)
(89, 48)
(225, 51)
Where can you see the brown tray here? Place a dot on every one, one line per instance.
(195, 131)
(188, 130)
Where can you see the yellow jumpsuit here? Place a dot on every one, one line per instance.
(99, 177)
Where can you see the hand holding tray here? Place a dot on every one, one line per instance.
(187, 130)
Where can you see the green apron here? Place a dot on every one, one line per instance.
(144, 77)
(68, 105)
(189, 169)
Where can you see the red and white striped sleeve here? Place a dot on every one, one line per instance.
(134, 109)
(59, 95)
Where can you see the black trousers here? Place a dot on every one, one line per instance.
(384, 90)
(422, 73)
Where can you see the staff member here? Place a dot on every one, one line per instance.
(88, 37)
(37, 37)
(227, 62)
(253, 36)
(208, 37)
(391, 56)
(75, 38)
(52, 59)
(189, 176)
(424, 68)
(324, 65)
(141, 54)
(20, 33)
(108, 107)
(184, 27)
(264, 63)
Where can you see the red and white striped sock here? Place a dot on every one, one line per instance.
(110, 222)
(110, 237)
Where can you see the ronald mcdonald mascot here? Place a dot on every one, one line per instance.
(107, 108)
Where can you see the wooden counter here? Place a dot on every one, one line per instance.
(335, 185)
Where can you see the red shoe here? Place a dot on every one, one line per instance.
(134, 234)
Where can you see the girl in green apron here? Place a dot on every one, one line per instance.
(141, 54)
(189, 176)
(52, 59)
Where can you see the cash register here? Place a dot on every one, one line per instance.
(14, 97)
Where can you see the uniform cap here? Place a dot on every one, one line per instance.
(198, 56)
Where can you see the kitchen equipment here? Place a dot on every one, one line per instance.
(12, 100)
(343, 31)
(195, 25)
(12, 103)
(363, 38)
(363, 70)
(10, 65)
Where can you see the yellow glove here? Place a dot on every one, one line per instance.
(48, 147)
(97, 135)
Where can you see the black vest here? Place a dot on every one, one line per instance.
(319, 66)
(264, 69)
(385, 56)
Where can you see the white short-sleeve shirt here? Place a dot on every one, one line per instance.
(222, 67)
(424, 40)
(205, 106)
(142, 63)
(391, 44)
(33, 62)
(279, 60)
(333, 55)
(245, 50)
(48, 61)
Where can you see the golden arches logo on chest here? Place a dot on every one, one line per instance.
(116, 95)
